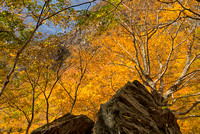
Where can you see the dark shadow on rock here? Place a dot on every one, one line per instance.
(67, 124)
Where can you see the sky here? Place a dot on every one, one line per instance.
(52, 29)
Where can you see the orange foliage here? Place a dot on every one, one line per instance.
(109, 65)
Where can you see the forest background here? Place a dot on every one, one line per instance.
(45, 75)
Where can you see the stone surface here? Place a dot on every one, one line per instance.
(67, 124)
(133, 110)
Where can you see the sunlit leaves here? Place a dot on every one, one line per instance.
(101, 17)
(115, 31)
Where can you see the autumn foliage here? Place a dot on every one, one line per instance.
(43, 78)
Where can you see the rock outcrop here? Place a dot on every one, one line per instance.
(67, 124)
(133, 110)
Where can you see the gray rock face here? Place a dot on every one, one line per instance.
(67, 124)
(133, 110)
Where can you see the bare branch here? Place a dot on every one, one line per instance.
(188, 9)
(167, 2)
(84, 3)
(83, 69)
(170, 54)
(192, 76)
(124, 49)
(13, 105)
(175, 100)
(182, 118)
(175, 87)
(77, 88)
(66, 91)
(119, 53)
(188, 110)
(118, 64)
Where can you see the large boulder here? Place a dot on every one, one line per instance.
(133, 110)
(67, 124)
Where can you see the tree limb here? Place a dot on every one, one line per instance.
(175, 100)
(188, 110)
(189, 116)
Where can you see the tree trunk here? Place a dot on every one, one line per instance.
(133, 110)
(28, 127)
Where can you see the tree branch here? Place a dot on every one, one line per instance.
(182, 118)
(188, 110)
(175, 100)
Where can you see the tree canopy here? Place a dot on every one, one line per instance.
(45, 76)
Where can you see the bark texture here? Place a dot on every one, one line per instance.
(133, 110)
(68, 124)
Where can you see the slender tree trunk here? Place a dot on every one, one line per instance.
(28, 127)
(47, 112)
